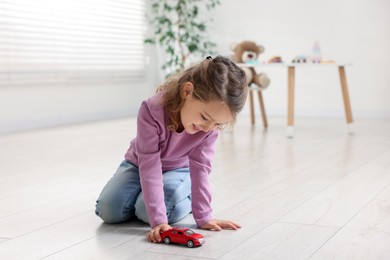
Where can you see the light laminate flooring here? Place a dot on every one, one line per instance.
(325, 194)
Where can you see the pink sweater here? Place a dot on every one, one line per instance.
(157, 149)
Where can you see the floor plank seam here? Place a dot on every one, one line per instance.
(134, 238)
(330, 185)
(67, 248)
(346, 223)
(258, 192)
(277, 161)
(376, 195)
(325, 242)
(48, 186)
(52, 224)
(43, 205)
(173, 255)
(305, 224)
(254, 234)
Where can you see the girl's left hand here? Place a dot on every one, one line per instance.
(218, 225)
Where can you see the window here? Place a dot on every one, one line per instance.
(71, 42)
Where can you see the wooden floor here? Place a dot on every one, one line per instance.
(324, 194)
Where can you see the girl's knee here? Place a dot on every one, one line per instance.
(110, 212)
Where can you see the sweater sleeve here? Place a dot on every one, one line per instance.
(200, 167)
(149, 163)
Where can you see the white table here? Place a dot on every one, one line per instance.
(291, 91)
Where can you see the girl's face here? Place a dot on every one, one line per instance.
(198, 116)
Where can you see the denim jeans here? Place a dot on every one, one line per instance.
(122, 199)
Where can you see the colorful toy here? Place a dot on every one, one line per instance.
(182, 236)
(248, 52)
(316, 53)
(315, 56)
(301, 58)
(275, 59)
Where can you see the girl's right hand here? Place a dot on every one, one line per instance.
(218, 225)
(154, 234)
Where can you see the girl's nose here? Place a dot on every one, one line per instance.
(202, 127)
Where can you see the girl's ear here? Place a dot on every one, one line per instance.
(187, 90)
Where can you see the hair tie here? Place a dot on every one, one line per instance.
(209, 58)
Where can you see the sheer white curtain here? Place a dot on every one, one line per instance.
(71, 42)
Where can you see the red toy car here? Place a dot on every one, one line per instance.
(182, 236)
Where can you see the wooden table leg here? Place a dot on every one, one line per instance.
(344, 88)
(262, 108)
(290, 111)
(251, 107)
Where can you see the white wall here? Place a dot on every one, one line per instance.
(29, 107)
(348, 31)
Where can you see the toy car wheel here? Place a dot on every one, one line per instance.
(167, 240)
(190, 243)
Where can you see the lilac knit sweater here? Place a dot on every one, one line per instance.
(156, 149)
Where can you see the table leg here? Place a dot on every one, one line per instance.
(251, 107)
(262, 108)
(290, 112)
(347, 103)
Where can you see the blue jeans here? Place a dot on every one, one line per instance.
(122, 199)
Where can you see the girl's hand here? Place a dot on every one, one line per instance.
(218, 225)
(154, 234)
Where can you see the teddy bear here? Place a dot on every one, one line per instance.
(248, 52)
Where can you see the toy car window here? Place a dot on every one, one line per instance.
(189, 232)
(180, 233)
(173, 232)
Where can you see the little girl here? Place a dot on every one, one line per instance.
(165, 174)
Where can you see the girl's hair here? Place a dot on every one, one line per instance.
(217, 79)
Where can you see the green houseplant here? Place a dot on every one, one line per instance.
(179, 31)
